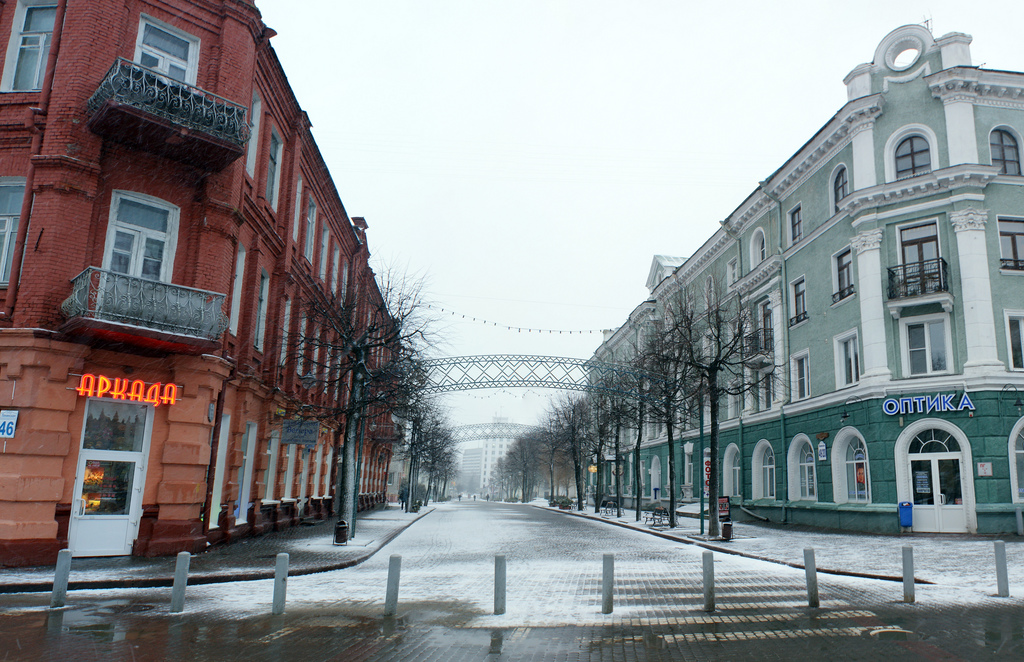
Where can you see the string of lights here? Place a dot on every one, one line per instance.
(520, 329)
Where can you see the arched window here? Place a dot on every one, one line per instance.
(807, 482)
(731, 476)
(913, 157)
(857, 471)
(764, 470)
(840, 188)
(934, 441)
(1004, 152)
(803, 484)
(1017, 462)
(758, 248)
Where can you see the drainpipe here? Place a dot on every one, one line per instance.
(34, 150)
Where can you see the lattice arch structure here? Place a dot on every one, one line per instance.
(492, 431)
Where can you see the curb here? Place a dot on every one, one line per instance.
(690, 540)
(167, 581)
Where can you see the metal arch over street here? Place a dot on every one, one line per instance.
(463, 373)
(492, 431)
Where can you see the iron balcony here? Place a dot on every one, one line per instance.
(918, 279)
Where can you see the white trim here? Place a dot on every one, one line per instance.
(261, 310)
(835, 273)
(276, 157)
(297, 217)
(252, 148)
(794, 377)
(270, 474)
(757, 468)
(840, 486)
(191, 65)
(793, 468)
(755, 257)
(14, 42)
(1009, 313)
(1016, 481)
(1016, 136)
(921, 222)
(832, 202)
(171, 235)
(838, 341)
(905, 344)
(245, 472)
(903, 479)
(793, 241)
(731, 458)
(905, 132)
(236, 290)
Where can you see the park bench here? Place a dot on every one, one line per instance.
(609, 507)
(656, 517)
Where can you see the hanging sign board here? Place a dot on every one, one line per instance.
(707, 473)
(822, 451)
(303, 433)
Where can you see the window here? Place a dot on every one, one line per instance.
(289, 475)
(758, 248)
(261, 309)
(847, 360)
(934, 441)
(802, 480)
(334, 270)
(922, 270)
(270, 475)
(1015, 334)
(766, 389)
(796, 225)
(325, 247)
(844, 275)
(236, 291)
(300, 345)
(1004, 152)
(731, 472)
(799, 302)
(168, 50)
(919, 243)
(29, 47)
(286, 318)
(926, 348)
(840, 189)
(801, 376)
(1011, 244)
(254, 136)
(141, 236)
(731, 272)
(296, 218)
(857, 471)
(344, 279)
(274, 169)
(764, 470)
(913, 157)
(10, 209)
(310, 229)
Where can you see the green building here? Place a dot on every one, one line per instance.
(883, 270)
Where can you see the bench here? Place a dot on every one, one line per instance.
(656, 517)
(609, 507)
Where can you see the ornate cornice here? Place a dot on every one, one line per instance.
(760, 274)
(706, 253)
(978, 86)
(968, 219)
(969, 175)
(868, 240)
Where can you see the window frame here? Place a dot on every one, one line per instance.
(1016, 458)
(844, 172)
(1002, 160)
(236, 290)
(758, 248)
(897, 137)
(845, 438)
(839, 344)
(14, 46)
(1014, 262)
(9, 235)
(918, 145)
(191, 64)
(1010, 317)
(796, 225)
(906, 322)
(274, 154)
(263, 297)
(803, 475)
(732, 472)
(798, 297)
(310, 248)
(325, 254)
(297, 216)
(253, 147)
(800, 375)
(170, 235)
(764, 477)
(839, 291)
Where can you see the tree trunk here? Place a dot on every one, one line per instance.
(637, 487)
(618, 472)
(671, 470)
(713, 394)
(347, 475)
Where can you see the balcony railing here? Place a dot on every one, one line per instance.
(111, 297)
(918, 278)
(759, 342)
(843, 293)
(1011, 264)
(799, 317)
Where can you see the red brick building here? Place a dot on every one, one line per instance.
(165, 215)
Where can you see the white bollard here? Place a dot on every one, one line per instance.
(908, 574)
(280, 583)
(180, 581)
(607, 583)
(709, 581)
(1002, 580)
(394, 575)
(60, 579)
(499, 584)
(812, 578)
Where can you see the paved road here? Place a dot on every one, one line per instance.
(554, 571)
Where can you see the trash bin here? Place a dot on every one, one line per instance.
(726, 530)
(906, 514)
(341, 532)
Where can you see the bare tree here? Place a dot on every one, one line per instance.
(522, 463)
(572, 416)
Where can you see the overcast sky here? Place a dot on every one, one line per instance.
(530, 157)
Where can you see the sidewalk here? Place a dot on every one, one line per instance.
(310, 548)
(957, 560)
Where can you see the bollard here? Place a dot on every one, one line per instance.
(60, 579)
(709, 581)
(607, 582)
(908, 574)
(180, 581)
(1020, 522)
(280, 583)
(499, 584)
(1002, 581)
(812, 578)
(394, 574)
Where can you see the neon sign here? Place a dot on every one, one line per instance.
(926, 404)
(101, 386)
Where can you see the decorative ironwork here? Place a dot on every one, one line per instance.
(759, 342)
(463, 373)
(186, 105)
(918, 278)
(1014, 265)
(843, 293)
(799, 317)
(111, 297)
(492, 431)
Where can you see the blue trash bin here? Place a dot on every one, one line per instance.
(906, 514)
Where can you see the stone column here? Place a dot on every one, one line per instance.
(863, 156)
(976, 289)
(872, 306)
(780, 318)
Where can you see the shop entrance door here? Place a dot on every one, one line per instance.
(110, 478)
(938, 493)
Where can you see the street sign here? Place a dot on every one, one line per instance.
(8, 422)
(304, 433)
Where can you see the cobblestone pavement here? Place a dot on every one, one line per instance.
(554, 573)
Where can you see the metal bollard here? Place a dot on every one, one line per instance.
(394, 574)
(499, 584)
(280, 583)
(60, 579)
(1020, 522)
(908, 574)
(709, 581)
(180, 581)
(607, 583)
(1002, 580)
(812, 578)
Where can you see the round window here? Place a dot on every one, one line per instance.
(903, 53)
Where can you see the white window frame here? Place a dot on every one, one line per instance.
(310, 246)
(732, 472)
(170, 236)
(325, 251)
(758, 248)
(191, 65)
(800, 362)
(905, 343)
(300, 345)
(801, 281)
(286, 318)
(236, 290)
(10, 231)
(344, 279)
(318, 463)
(1013, 134)
(335, 266)
(270, 474)
(1011, 317)
(840, 480)
(764, 489)
(289, 475)
(919, 223)
(1016, 479)
(839, 343)
(297, 217)
(797, 211)
(252, 149)
(327, 470)
(274, 168)
(261, 310)
(14, 45)
(832, 202)
(905, 132)
(803, 476)
(731, 271)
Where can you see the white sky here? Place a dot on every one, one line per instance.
(529, 157)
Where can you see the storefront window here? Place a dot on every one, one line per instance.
(106, 487)
(115, 426)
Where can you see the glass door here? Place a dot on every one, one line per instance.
(938, 494)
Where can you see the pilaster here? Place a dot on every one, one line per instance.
(867, 244)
